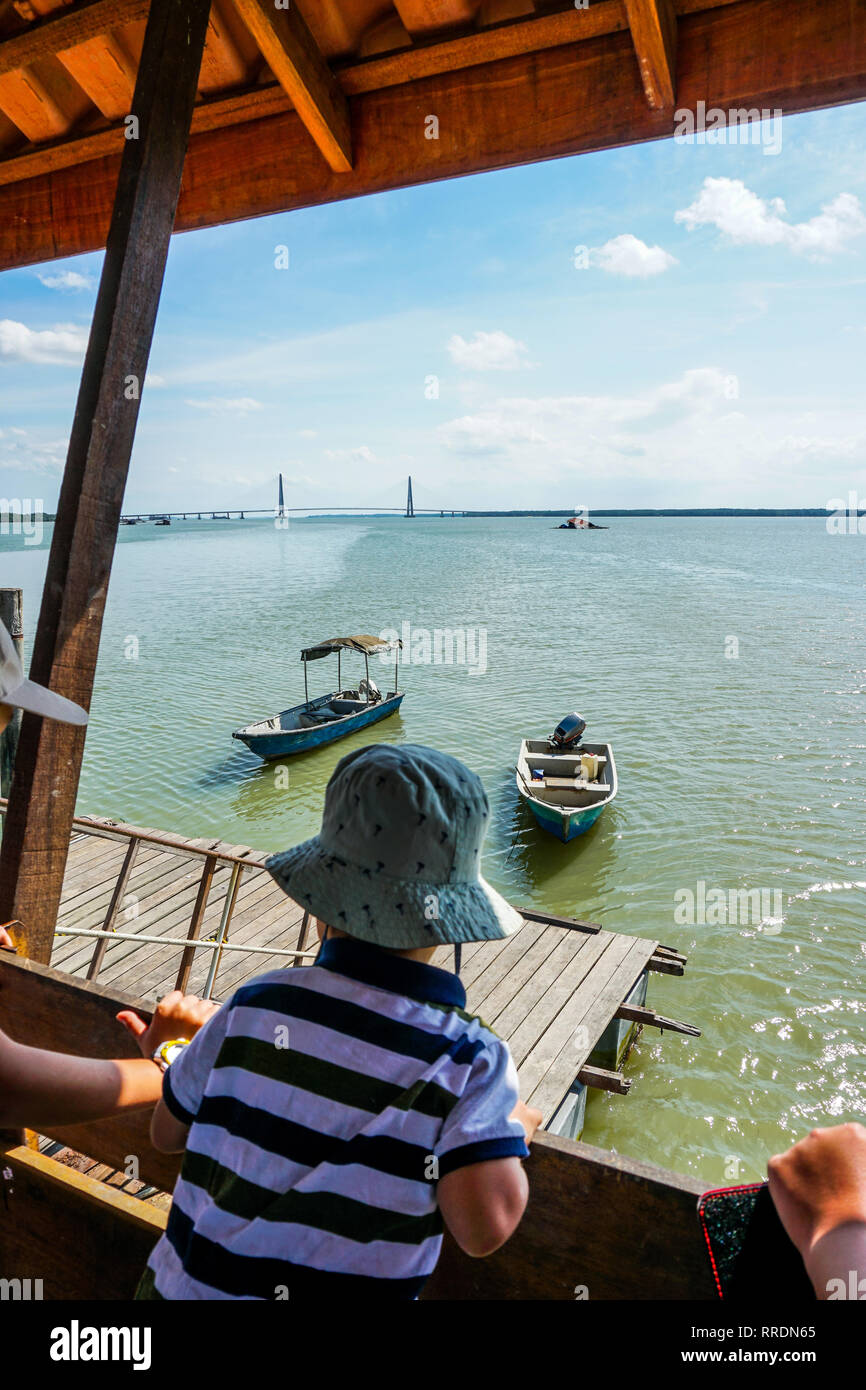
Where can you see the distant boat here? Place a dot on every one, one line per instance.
(580, 523)
(164, 521)
(566, 783)
(329, 717)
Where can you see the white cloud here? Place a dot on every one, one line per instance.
(225, 405)
(362, 454)
(30, 453)
(488, 352)
(747, 220)
(63, 344)
(628, 255)
(699, 439)
(67, 280)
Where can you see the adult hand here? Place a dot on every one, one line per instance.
(819, 1190)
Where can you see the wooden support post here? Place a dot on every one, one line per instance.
(198, 912)
(111, 914)
(36, 838)
(10, 616)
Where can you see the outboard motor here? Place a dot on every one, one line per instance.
(568, 733)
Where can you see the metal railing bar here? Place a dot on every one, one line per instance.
(183, 941)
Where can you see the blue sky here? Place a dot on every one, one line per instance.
(704, 348)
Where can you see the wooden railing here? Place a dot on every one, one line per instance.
(212, 858)
(597, 1226)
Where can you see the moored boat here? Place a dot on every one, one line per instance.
(566, 783)
(328, 717)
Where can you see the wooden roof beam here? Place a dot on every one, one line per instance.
(295, 60)
(58, 32)
(653, 25)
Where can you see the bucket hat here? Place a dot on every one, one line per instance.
(396, 862)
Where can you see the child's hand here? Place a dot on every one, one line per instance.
(530, 1119)
(175, 1016)
(6, 940)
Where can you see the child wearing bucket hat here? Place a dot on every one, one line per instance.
(336, 1118)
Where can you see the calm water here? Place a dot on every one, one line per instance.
(741, 771)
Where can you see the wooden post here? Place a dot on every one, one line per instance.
(36, 839)
(10, 616)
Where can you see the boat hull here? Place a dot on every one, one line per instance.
(281, 743)
(565, 827)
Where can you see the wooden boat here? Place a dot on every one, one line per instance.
(328, 717)
(566, 783)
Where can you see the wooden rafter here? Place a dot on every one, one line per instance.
(73, 26)
(653, 25)
(300, 69)
(518, 110)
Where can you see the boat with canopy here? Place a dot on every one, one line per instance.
(328, 717)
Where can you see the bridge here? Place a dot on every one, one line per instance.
(280, 511)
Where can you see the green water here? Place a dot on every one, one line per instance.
(744, 771)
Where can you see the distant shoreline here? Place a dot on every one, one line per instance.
(566, 512)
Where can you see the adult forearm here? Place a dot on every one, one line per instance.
(836, 1263)
(40, 1088)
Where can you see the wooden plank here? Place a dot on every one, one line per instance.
(653, 26)
(549, 1072)
(72, 26)
(604, 1080)
(515, 110)
(525, 1020)
(497, 985)
(496, 958)
(294, 58)
(597, 1226)
(530, 914)
(82, 1238)
(42, 805)
(43, 1007)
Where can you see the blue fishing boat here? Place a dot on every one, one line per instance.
(566, 783)
(328, 717)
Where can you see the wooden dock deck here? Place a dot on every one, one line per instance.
(550, 990)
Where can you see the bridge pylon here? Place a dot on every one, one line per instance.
(410, 506)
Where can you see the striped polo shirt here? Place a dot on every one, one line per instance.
(323, 1104)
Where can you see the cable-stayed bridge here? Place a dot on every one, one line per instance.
(281, 510)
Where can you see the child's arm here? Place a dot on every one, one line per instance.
(39, 1088)
(482, 1205)
(482, 1202)
(167, 1134)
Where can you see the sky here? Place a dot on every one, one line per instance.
(669, 325)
